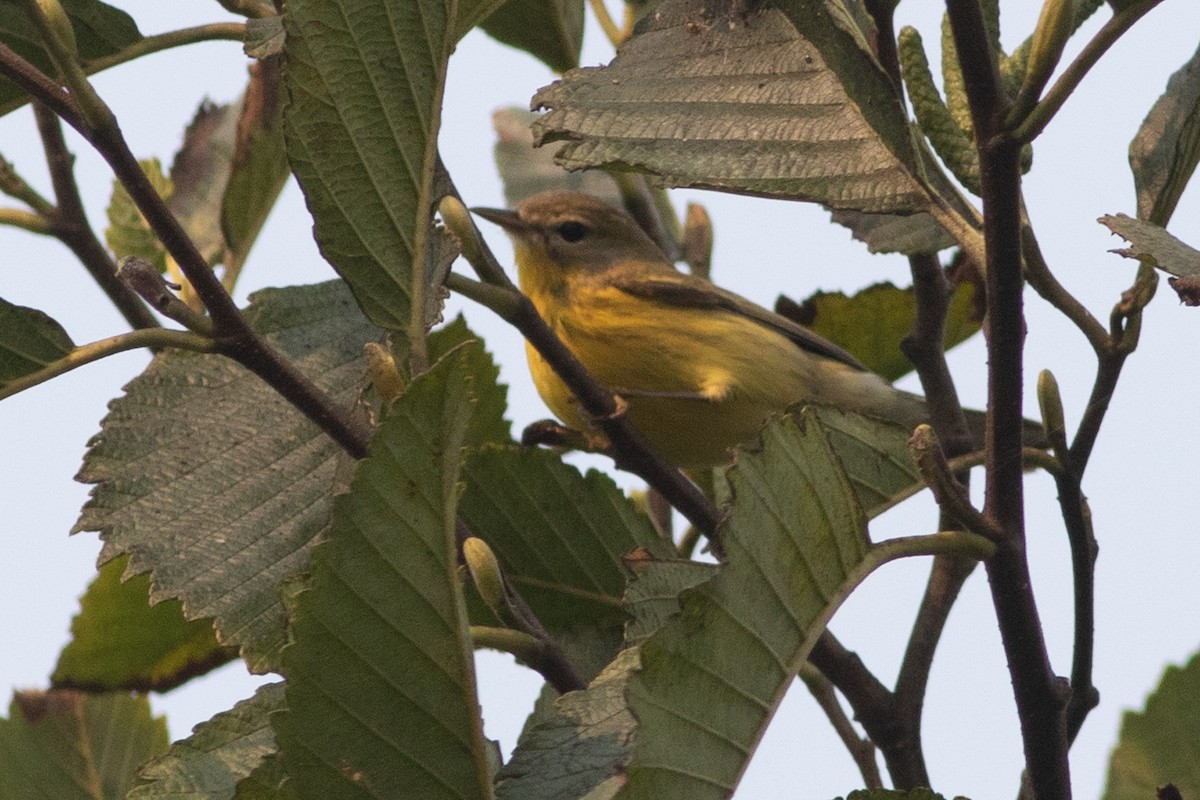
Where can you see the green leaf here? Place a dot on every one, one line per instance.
(527, 170)
(1152, 244)
(796, 543)
(380, 682)
(1164, 153)
(488, 425)
(576, 749)
(873, 322)
(220, 753)
(267, 782)
(470, 13)
(29, 340)
(550, 30)
(128, 233)
(264, 37)
(744, 102)
(100, 30)
(894, 233)
(1161, 744)
(364, 81)
(259, 168)
(875, 456)
(68, 745)
(560, 536)
(120, 641)
(653, 594)
(214, 483)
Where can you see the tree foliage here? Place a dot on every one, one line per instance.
(324, 484)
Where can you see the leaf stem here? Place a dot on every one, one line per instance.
(606, 22)
(154, 338)
(210, 32)
(217, 31)
(26, 220)
(1031, 126)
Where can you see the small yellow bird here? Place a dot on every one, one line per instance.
(700, 368)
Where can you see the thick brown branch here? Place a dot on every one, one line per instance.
(1040, 696)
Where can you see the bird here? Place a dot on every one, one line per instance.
(699, 369)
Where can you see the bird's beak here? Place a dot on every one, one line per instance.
(509, 220)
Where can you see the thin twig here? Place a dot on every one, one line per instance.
(235, 338)
(69, 223)
(1043, 281)
(875, 709)
(26, 220)
(925, 348)
(860, 749)
(16, 187)
(1029, 128)
(1078, 522)
(946, 578)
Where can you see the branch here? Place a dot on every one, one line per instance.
(861, 750)
(946, 579)
(69, 223)
(1078, 520)
(1040, 697)
(875, 709)
(1125, 328)
(235, 338)
(1031, 126)
(924, 346)
(1043, 281)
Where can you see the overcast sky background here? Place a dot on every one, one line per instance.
(1140, 482)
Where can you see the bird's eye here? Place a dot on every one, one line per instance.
(572, 230)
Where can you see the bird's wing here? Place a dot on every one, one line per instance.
(678, 289)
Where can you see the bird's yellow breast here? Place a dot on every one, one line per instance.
(697, 382)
